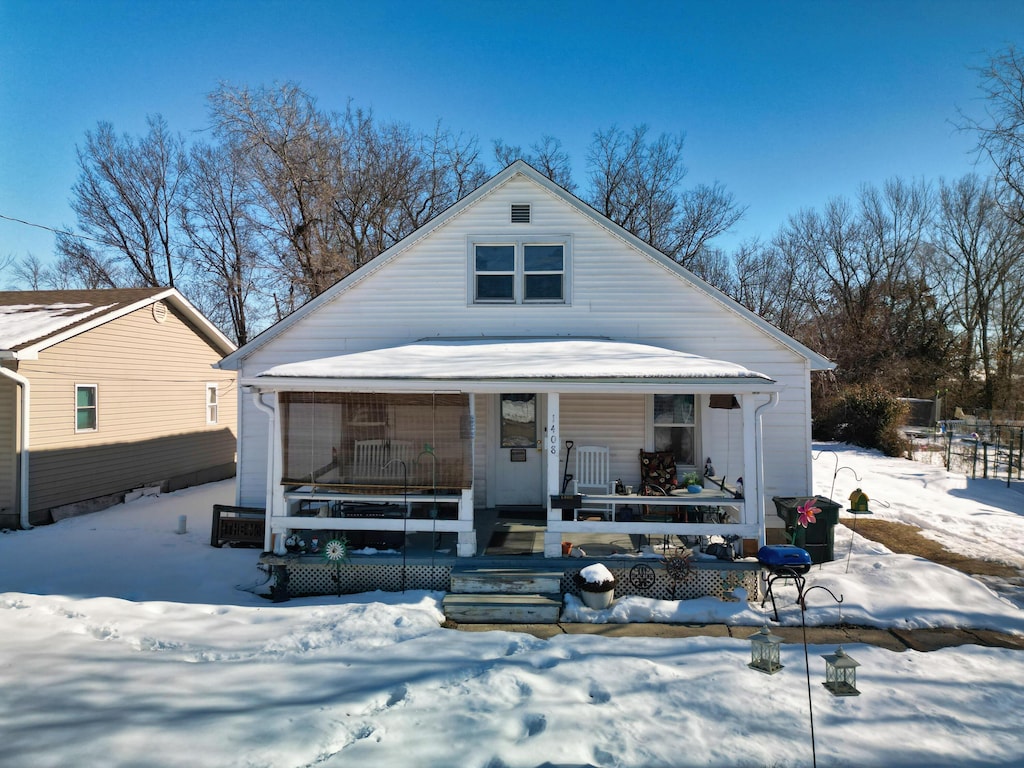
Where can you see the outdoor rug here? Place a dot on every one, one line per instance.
(511, 537)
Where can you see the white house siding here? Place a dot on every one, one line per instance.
(9, 398)
(616, 292)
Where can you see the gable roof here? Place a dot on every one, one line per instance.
(522, 168)
(31, 321)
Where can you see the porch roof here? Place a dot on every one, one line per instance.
(509, 364)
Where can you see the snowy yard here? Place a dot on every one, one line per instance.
(123, 643)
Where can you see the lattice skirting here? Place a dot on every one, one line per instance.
(320, 578)
(647, 580)
(635, 578)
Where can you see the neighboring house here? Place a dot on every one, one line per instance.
(457, 364)
(106, 391)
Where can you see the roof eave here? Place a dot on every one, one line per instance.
(647, 385)
(222, 342)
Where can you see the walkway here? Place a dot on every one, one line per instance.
(891, 639)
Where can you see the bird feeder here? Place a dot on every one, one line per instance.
(764, 651)
(859, 503)
(841, 673)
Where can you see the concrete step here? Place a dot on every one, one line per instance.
(507, 581)
(492, 608)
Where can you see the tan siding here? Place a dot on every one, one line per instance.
(151, 416)
(9, 398)
(616, 291)
(616, 421)
(481, 436)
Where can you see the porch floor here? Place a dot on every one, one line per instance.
(502, 533)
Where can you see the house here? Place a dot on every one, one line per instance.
(106, 391)
(453, 374)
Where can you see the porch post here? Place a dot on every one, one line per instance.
(466, 543)
(552, 448)
(751, 476)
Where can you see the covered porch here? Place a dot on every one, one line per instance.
(436, 440)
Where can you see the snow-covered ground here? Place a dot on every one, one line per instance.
(123, 643)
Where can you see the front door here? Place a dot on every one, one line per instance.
(518, 460)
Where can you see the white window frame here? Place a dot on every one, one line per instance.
(519, 273)
(95, 407)
(681, 469)
(212, 404)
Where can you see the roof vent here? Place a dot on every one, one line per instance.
(520, 213)
(159, 311)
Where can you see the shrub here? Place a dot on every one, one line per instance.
(864, 416)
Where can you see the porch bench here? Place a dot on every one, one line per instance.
(237, 525)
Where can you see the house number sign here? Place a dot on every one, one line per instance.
(553, 437)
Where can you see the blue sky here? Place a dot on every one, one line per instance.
(786, 103)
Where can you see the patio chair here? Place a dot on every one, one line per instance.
(592, 476)
(378, 462)
(657, 473)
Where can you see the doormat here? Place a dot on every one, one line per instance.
(522, 513)
(515, 539)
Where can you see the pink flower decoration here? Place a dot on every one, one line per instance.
(807, 513)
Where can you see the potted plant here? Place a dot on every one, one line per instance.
(597, 586)
(692, 482)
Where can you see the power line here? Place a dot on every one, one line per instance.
(51, 229)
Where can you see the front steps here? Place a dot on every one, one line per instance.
(504, 595)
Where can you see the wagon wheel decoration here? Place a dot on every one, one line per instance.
(678, 568)
(641, 576)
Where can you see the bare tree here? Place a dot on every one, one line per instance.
(864, 275)
(548, 156)
(637, 183)
(218, 224)
(288, 147)
(772, 283)
(80, 266)
(127, 198)
(30, 273)
(982, 263)
(1001, 131)
(450, 169)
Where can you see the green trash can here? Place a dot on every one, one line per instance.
(818, 538)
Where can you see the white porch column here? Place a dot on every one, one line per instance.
(752, 503)
(466, 544)
(552, 448)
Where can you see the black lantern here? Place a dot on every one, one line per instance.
(764, 651)
(841, 673)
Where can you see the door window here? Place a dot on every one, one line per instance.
(518, 421)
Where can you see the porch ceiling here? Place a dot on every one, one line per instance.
(516, 364)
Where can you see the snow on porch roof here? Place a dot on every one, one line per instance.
(529, 360)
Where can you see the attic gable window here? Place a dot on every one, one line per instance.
(520, 213)
(520, 270)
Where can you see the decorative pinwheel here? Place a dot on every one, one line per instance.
(336, 552)
(806, 513)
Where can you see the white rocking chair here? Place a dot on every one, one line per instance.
(379, 462)
(592, 477)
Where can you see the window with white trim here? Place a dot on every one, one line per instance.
(85, 408)
(675, 427)
(520, 271)
(212, 401)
